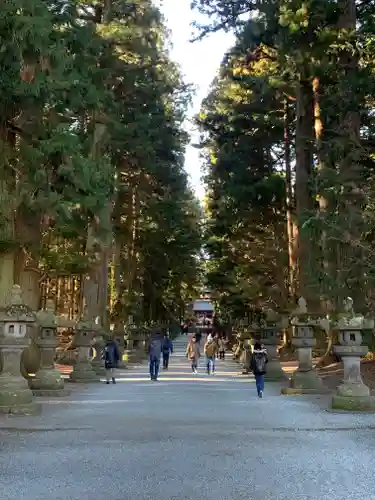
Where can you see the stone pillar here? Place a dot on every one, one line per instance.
(144, 342)
(352, 394)
(247, 333)
(47, 380)
(83, 338)
(97, 362)
(271, 336)
(120, 340)
(305, 379)
(131, 343)
(245, 359)
(237, 351)
(15, 394)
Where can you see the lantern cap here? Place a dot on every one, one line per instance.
(47, 317)
(16, 310)
(87, 323)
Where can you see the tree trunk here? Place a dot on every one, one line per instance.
(290, 203)
(351, 254)
(304, 205)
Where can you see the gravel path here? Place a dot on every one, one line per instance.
(186, 437)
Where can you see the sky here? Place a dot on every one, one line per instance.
(199, 62)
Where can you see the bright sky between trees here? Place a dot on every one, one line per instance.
(199, 62)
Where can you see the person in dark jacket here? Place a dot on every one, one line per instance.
(155, 348)
(258, 365)
(167, 349)
(111, 357)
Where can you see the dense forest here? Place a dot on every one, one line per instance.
(95, 204)
(288, 143)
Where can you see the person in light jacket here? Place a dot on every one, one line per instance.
(210, 350)
(193, 354)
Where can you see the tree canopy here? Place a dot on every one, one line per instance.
(92, 179)
(287, 139)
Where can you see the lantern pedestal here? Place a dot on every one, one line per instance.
(352, 394)
(83, 337)
(274, 370)
(120, 340)
(304, 380)
(97, 363)
(245, 359)
(15, 395)
(47, 381)
(82, 370)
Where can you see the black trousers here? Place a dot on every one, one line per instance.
(165, 359)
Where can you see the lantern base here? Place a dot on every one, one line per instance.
(274, 371)
(353, 403)
(131, 356)
(17, 401)
(302, 382)
(98, 368)
(47, 382)
(83, 372)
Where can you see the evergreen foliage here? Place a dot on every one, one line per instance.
(288, 143)
(92, 179)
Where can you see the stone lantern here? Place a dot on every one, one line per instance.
(15, 394)
(84, 335)
(144, 336)
(352, 394)
(47, 380)
(248, 332)
(305, 379)
(131, 334)
(271, 336)
(119, 337)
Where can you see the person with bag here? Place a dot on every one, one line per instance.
(258, 365)
(210, 350)
(155, 349)
(193, 354)
(111, 357)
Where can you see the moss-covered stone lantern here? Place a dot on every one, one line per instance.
(15, 394)
(84, 334)
(304, 380)
(48, 380)
(352, 394)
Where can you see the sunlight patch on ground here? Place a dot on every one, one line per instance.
(192, 378)
(92, 401)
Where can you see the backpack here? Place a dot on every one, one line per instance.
(210, 348)
(259, 362)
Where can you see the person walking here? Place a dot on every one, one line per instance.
(193, 354)
(210, 350)
(111, 357)
(258, 366)
(154, 352)
(167, 349)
